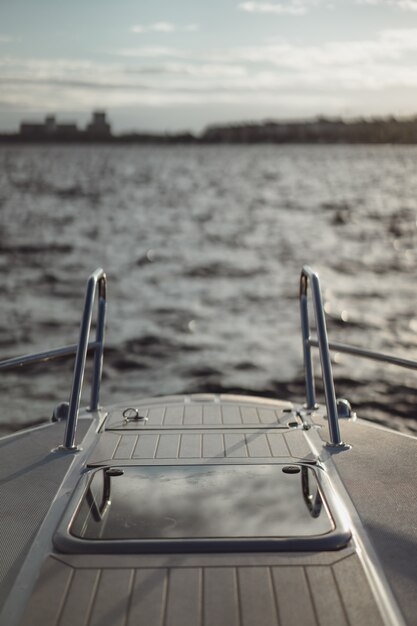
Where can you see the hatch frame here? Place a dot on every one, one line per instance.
(336, 539)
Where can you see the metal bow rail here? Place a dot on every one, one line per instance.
(324, 346)
(307, 275)
(97, 282)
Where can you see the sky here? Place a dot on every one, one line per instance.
(173, 65)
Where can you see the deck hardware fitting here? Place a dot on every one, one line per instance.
(60, 412)
(344, 409)
(291, 469)
(114, 471)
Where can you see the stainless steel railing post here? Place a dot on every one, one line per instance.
(98, 355)
(305, 332)
(97, 279)
(307, 275)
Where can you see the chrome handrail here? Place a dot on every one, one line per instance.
(308, 275)
(364, 353)
(324, 346)
(96, 282)
(43, 357)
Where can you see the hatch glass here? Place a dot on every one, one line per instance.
(197, 502)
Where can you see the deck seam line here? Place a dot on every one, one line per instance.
(130, 594)
(345, 613)
(238, 595)
(65, 597)
(202, 596)
(274, 595)
(310, 593)
(165, 597)
(93, 597)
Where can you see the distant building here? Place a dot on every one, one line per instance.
(50, 124)
(50, 130)
(31, 129)
(99, 127)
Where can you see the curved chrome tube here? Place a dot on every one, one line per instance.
(96, 282)
(43, 357)
(307, 275)
(410, 364)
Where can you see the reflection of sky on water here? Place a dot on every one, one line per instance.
(220, 501)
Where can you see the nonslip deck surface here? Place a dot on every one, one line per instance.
(379, 474)
(222, 589)
(197, 444)
(211, 590)
(220, 427)
(30, 475)
(207, 410)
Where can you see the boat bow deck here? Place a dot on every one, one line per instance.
(212, 586)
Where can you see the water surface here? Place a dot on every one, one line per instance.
(203, 247)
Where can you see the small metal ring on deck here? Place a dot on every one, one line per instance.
(132, 415)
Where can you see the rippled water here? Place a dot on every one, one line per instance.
(203, 247)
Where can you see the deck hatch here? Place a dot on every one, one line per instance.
(198, 414)
(195, 507)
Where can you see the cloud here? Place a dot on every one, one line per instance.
(404, 5)
(163, 27)
(154, 52)
(290, 7)
(278, 9)
(198, 70)
(302, 7)
(159, 76)
(390, 45)
(402, 38)
(5, 38)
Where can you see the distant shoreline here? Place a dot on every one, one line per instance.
(111, 143)
(319, 131)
